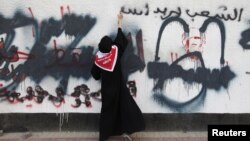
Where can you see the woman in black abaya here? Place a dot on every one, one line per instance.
(120, 115)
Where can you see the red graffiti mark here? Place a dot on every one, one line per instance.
(1, 44)
(16, 56)
(12, 67)
(176, 56)
(31, 12)
(187, 46)
(88, 104)
(172, 57)
(140, 46)
(29, 105)
(54, 44)
(26, 55)
(59, 52)
(78, 103)
(13, 58)
(1, 84)
(58, 104)
(62, 11)
(194, 41)
(33, 29)
(196, 37)
(12, 100)
(68, 8)
(4, 92)
(19, 77)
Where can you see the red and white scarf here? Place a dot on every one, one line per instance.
(107, 61)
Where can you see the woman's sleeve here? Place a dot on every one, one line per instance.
(96, 72)
(121, 40)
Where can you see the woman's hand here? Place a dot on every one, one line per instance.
(120, 18)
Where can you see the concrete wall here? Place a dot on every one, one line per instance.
(184, 56)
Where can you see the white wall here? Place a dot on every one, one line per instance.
(233, 99)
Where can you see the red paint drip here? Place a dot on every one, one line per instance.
(176, 56)
(14, 58)
(31, 12)
(12, 67)
(32, 15)
(1, 44)
(140, 46)
(62, 12)
(68, 8)
(57, 105)
(74, 106)
(172, 59)
(25, 55)
(54, 41)
(187, 46)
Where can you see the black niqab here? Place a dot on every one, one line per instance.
(105, 44)
(119, 112)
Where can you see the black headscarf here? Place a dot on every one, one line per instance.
(105, 44)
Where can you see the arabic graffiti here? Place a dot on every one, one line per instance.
(223, 12)
(81, 96)
(135, 11)
(237, 13)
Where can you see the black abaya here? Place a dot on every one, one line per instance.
(119, 113)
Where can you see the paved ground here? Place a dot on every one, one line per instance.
(93, 136)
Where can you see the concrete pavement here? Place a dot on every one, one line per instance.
(93, 136)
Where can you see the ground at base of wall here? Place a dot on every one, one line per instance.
(93, 136)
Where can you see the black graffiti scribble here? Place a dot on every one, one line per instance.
(72, 25)
(245, 39)
(58, 100)
(30, 93)
(14, 97)
(86, 102)
(41, 94)
(132, 88)
(84, 91)
(212, 79)
(12, 54)
(9, 56)
(133, 61)
(96, 95)
(8, 26)
(202, 29)
(80, 90)
(58, 62)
